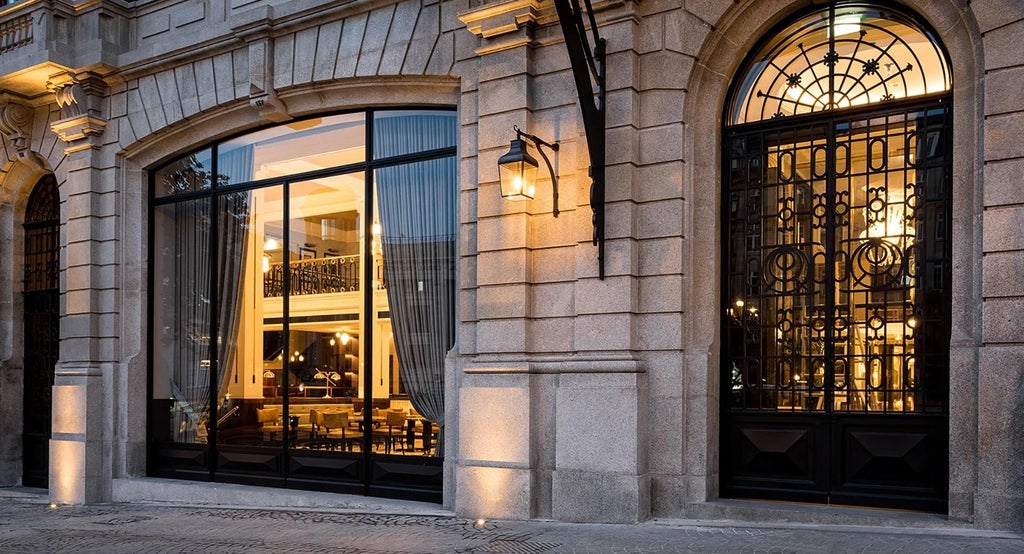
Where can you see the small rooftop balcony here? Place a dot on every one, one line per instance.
(41, 38)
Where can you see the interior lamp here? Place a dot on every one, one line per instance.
(517, 170)
(330, 377)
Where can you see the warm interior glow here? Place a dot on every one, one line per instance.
(518, 180)
(791, 74)
(847, 24)
(893, 228)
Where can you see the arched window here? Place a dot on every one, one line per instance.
(850, 55)
(41, 301)
(836, 263)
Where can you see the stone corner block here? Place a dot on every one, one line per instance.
(493, 492)
(586, 496)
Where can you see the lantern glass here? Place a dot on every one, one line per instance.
(517, 171)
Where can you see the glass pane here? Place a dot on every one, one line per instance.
(878, 293)
(415, 324)
(832, 305)
(862, 56)
(293, 148)
(241, 250)
(396, 133)
(323, 352)
(189, 174)
(181, 260)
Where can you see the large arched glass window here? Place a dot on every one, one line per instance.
(303, 301)
(836, 263)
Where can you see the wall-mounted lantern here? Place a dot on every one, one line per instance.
(517, 169)
(586, 51)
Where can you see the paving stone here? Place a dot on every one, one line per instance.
(29, 524)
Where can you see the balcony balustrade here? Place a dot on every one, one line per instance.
(316, 276)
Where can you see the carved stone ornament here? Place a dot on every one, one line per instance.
(79, 97)
(78, 94)
(16, 125)
(262, 96)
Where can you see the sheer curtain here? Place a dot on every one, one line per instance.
(234, 226)
(190, 377)
(417, 204)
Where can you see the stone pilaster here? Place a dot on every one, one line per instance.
(80, 445)
(495, 469)
(550, 343)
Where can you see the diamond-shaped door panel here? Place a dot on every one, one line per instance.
(773, 452)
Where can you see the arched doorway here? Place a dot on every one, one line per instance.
(836, 264)
(41, 294)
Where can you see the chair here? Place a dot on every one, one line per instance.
(310, 428)
(336, 429)
(430, 432)
(316, 423)
(392, 432)
(202, 431)
(270, 423)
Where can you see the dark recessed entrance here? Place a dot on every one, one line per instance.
(836, 269)
(42, 333)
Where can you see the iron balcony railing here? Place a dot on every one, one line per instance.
(318, 276)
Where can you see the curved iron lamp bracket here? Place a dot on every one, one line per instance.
(537, 143)
(588, 70)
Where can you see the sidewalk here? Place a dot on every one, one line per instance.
(29, 524)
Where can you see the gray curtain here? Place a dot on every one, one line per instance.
(190, 381)
(233, 166)
(233, 211)
(417, 207)
(190, 377)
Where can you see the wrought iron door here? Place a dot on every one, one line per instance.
(836, 308)
(40, 295)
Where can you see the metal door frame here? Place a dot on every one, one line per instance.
(830, 455)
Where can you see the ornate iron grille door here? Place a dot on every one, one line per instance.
(837, 309)
(41, 294)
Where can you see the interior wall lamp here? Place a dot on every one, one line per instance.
(517, 170)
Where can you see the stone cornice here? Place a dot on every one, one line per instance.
(492, 20)
(510, 23)
(555, 364)
(80, 133)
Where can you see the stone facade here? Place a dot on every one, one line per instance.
(571, 397)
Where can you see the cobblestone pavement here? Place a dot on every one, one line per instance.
(27, 526)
